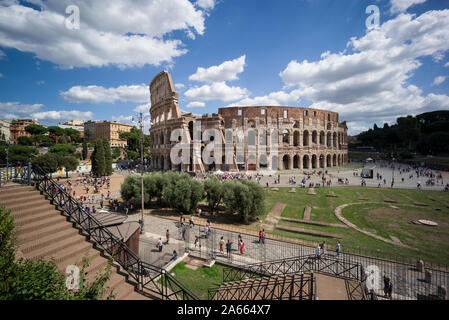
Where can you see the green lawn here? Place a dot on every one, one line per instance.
(430, 243)
(199, 280)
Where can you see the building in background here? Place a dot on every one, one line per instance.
(111, 130)
(5, 130)
(77, 125)
(17, 129)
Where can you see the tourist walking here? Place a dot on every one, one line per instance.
(338, 248)
(222, 244)
(159, 244)
(241, 245)
(167, 235)
(191, 223)
(388, 287)
(318, 252)
(323, 248)
(263, 236)
(229, 248)
(197, 242)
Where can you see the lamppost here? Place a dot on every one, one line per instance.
(141, 167)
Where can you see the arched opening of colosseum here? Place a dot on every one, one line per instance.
(285, 161)
(322, 159)
(162, 163)
(251, 124)
(251, 137)
(339, 160)
(314, 161)
(328, 140)
(329, 126)
(296, 138)
(296, 162)
(305, 162)
(263, 161)
(285, 136)
(334, 160)
(328, 161)
(295, 124)
(322, 138)
(305, 138)
(314, 137)
(334, 139)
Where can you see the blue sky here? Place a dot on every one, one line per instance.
(308, 53)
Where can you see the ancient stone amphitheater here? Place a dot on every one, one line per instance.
(249, 138)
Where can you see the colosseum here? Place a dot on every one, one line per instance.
(273, 137)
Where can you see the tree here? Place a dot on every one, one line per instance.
(34, 129)
(214, 192)
(57, 131)
(247, 198)
(25, 141)
(84, 149)
(70, 163)
(48, 162)
(17, 155)
(107, 157)
(182, 192)
(73, 134)
(98, 160)
(41, 280)
(43, 141)
(63, 149)
(116, 153)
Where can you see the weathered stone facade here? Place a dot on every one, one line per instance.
(267, 136)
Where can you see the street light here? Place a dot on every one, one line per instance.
(141, 165)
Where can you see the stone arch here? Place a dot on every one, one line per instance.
(334, 160)
(296, 138)
(305, 161)
(334, 139)
(305, 138)
(285, 136)
(339, 160)
(314, 137)
(328, 161)
(322, 137)
(328, 139)
(285, 162)
(296, 162)
(322, 160)
(314, 161)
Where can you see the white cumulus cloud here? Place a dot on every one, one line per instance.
(371, 78)
(54, 115)
(403, 5)
(216, 91)
(439, 80)
(121, 33)
(196, 104)
(226, 71)
(98, 94)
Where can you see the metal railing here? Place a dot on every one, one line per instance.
(302, 264)
(286, 287)
(150, 280)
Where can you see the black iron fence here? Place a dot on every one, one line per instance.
(149, 279)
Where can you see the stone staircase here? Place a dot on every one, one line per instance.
(43, 232)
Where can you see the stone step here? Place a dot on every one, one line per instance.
(31, 218)
(5, 192)
(74, 254)
(55, 249)
(26, 207)
(39, 243)
(44, 231)
(37, 225)
(20, 198)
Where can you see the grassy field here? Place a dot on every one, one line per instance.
(428, 243)
(199, 280)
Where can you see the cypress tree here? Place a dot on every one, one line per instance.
(98, 161)
(107, 157)
(84, 150)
